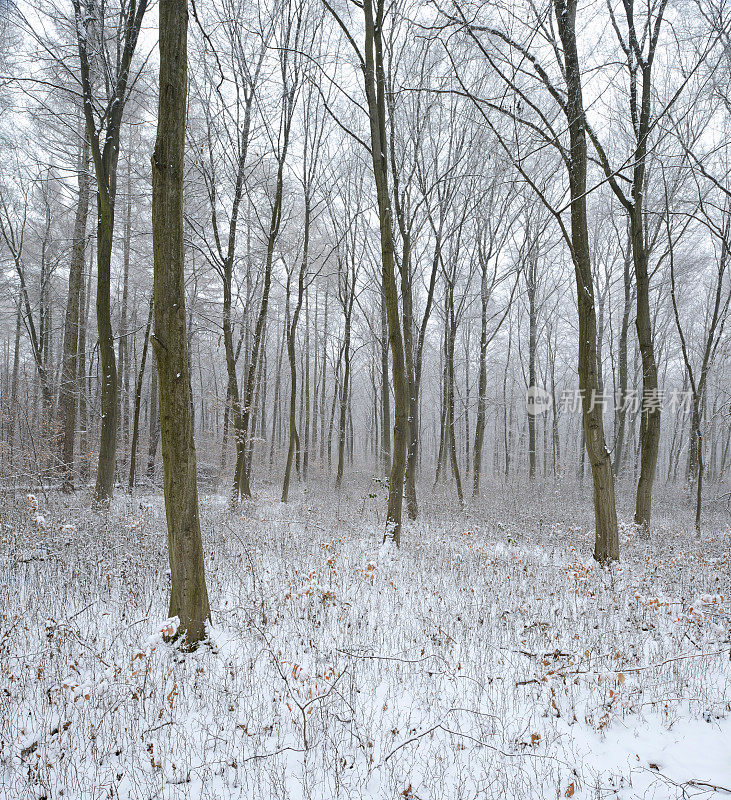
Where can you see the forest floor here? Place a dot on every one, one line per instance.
(490, 657)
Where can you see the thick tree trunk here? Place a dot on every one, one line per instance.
(189, 596)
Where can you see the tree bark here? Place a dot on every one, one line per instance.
(189, 596)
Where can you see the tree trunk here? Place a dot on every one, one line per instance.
(189, 596)
(83, 379)
(348, 297)
(507, 418)
(138, 399)
(606, 546)
(336, 393)
(306, 387)
(375, 86)
(532, 276)
(316, 396)
(108, 363)
(412, 506)
(291, 340)
(450, 401)
(154, 435)
(385, 392)
(69, 383)
(650, 413)
(276, 402)
(481, 388)
(467, 387)
(621, 413)
(123, 350)
(323, 388)
(14, 385)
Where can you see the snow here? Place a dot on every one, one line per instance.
(488, 657)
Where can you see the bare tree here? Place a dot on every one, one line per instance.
(103, 113)
(371, 62)
(719, 299)
(290, 69)
(569, 103)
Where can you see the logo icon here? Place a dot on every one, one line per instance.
(537, 401)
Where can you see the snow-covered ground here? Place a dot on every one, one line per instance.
(489, 658)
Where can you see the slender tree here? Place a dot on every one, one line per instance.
(69, 385)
